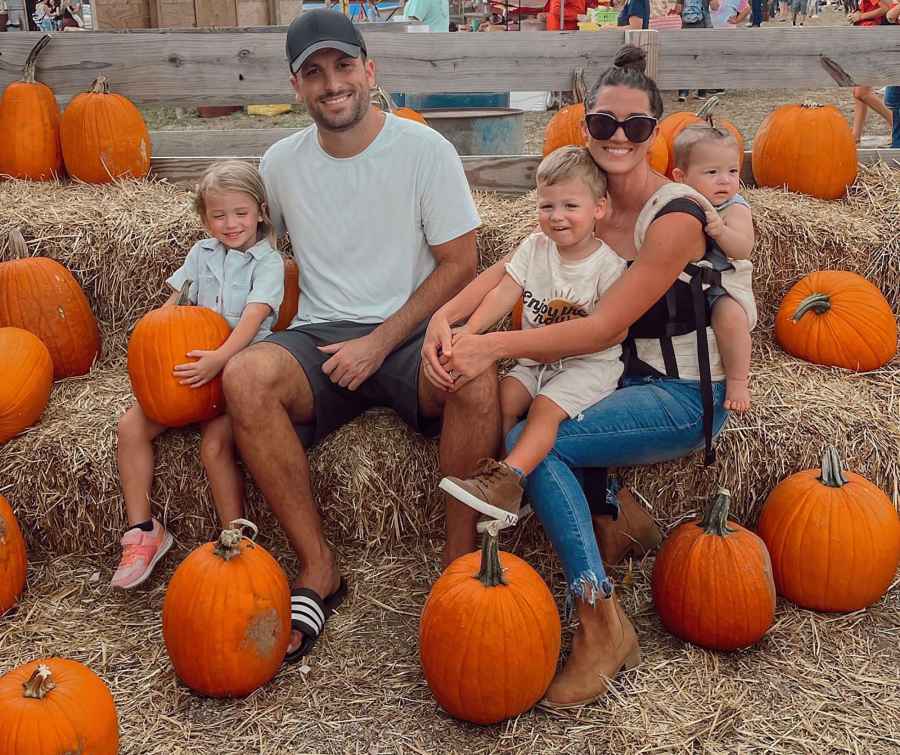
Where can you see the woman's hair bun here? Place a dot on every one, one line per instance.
(631, 58)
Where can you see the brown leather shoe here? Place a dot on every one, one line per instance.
(495, 490)
(634, 533)
(597, 655)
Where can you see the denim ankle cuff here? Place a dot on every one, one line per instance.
(588, 588)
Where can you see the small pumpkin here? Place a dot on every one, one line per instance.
(104, 136)
(56, 705)
(29, 126)
(806, 148)
(161, 340)
(291, 301)
(837, 318)
(26, 383)
(13, 558)
(566, 127)
(672, 125)
(401, 112)
(834, 538)
(712, 581)
(489, 636)
(226, 616)
(40, 295)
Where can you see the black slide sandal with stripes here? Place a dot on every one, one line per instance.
(309, 612)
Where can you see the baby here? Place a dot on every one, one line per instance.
(708, 160)
(555, 275)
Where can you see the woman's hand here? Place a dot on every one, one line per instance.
(208, 365)
(436, 349)
(472, 355)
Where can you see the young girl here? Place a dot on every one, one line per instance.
(240, 275)
(870, 13)
(708, 160)
(557, 275)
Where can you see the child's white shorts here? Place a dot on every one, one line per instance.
(572, 384)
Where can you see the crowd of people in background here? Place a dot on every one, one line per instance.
(40, 15)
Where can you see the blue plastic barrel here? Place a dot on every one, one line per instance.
(449, 100)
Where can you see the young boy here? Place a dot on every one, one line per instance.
(708, 160)
(556, 274)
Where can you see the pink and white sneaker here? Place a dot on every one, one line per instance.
(140, 553)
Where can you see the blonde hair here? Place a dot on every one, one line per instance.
(691, 136)
(234, 175)
(572, 162)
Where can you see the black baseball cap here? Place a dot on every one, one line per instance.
(321, 29)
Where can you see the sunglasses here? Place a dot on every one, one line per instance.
(637, 128)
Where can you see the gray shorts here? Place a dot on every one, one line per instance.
(395, 385)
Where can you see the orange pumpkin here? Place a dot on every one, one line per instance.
(566, 127)
(160, 341)
(226, 616)
(658, 155)
(291, 300)
(40, 295)
(837, 318)
(400, 112)
(807, 148)
(29, 126)
(104, 136)
(672, 125)
(27, 378)
(13, 558)
(834, 538)
(712, 581)
(489, 636)
(56, 705)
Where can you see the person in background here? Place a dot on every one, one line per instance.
(892, 103)
(695, 14)
(870, 13)
(757, 8)
(434, 13)
(4, 15)
(571, 10)
(635, 14)
(729, 14)
(798, 10)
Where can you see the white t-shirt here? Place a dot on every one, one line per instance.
(555, 290)
(361, 226)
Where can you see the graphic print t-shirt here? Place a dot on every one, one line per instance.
(555, 290)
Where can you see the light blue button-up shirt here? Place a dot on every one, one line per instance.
(227, 280)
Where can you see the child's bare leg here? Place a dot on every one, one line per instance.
(538, 436)
(217, 452)
(514, 402)
(134, 452)
(729, 323)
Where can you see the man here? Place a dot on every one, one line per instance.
(434, 13)
(382, 225)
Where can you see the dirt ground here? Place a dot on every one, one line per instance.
(745, 108)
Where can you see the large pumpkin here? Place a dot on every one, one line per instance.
(672, 125)
(659, 155)
(104, 136)
(834, 538)
(56, 706)
(807, 148)
(387, 103)
(40, 295)
(837, 318)
(29, 126)
(291, 300)
(566, 127)
(226, 616)
(13, 559)
(161, 340)
(712, 581)
(489, 636)
(26, 379)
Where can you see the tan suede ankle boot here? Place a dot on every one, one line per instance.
(634, 533)
(598, 654)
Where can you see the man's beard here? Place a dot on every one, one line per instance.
(343, 122)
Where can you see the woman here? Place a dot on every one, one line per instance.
(870, 13)
(651, 418)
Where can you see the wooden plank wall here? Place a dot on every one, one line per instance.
(220, 68)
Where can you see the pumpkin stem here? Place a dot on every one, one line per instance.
(386, 99)
(31, 60)
(832, 473)
(810, 104)
(819, 303)
(229, 541)
(100, 85)
(579, 87)
(17, 246)
(715, 516)
(491, 573)
(182, 299)
(40, 683)
(705, 112)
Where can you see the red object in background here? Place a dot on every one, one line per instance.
(572, 9)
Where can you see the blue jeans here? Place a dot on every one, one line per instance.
(892, 103)
(648, 420)
(756, 12)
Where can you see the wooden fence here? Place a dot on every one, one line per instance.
(242, 66)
